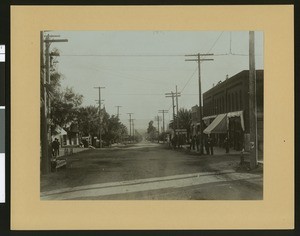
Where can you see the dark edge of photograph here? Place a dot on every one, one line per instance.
(5, 208)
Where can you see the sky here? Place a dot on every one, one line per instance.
(137, 68)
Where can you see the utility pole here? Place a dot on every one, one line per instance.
(46, 131)
(118, 107)
(199, 60)
(45, 160)
(173, 95)
(129, 125)
(157, 119)
(177, 107)
(132, 120)
(163, 113)
(252, 103)
(100, 138)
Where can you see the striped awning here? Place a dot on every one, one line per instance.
(218, 126)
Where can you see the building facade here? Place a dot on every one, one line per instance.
(231, 97)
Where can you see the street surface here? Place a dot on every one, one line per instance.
(147, 171)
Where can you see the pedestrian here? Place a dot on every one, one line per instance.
(194, 142)
(226, 145)
(57, 147)
(180, 141)
(53, 147)
(207, 144)
(190, 143)
(197, 143)
(211, 145)
(174, 141)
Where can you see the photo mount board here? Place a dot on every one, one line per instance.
(275, 211)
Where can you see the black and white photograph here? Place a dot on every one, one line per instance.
(151, 115)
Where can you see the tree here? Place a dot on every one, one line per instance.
(88, 121)
(114, 130)
(185, 119)
(151, 131)
(137, 136)
(64, 108)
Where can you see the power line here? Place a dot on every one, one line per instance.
(122, 55)
(145, 94)
(189, 80)
(200, 62)
(149, 55)
(215, 42)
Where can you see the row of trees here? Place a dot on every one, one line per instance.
(184, 119)
(68, 113)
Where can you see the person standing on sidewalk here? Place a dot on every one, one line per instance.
(55, 148)
(58, 145)
(211, 145)
(226, 145)
(197, 143)
(206, 144)
(194, 142)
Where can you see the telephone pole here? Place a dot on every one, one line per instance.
(132, 120)
(118, 108)
(45, 118)
(173, 95)
(129, 125)
(199, 60)
(157, 119)
(177, 95)
(100, 138)
(252, 102)
(163, 112)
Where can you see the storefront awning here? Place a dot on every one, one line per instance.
(218, 126)
(237, 114)
(208, 119)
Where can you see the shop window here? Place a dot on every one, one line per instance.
(236, 101)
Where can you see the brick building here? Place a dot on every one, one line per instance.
(226, 110)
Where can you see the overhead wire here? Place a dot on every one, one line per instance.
(122, 55)
(200, 62)
(190, 78)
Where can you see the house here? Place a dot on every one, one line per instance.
(59, 133)
(68, 136)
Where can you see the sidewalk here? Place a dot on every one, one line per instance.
(217, 151)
